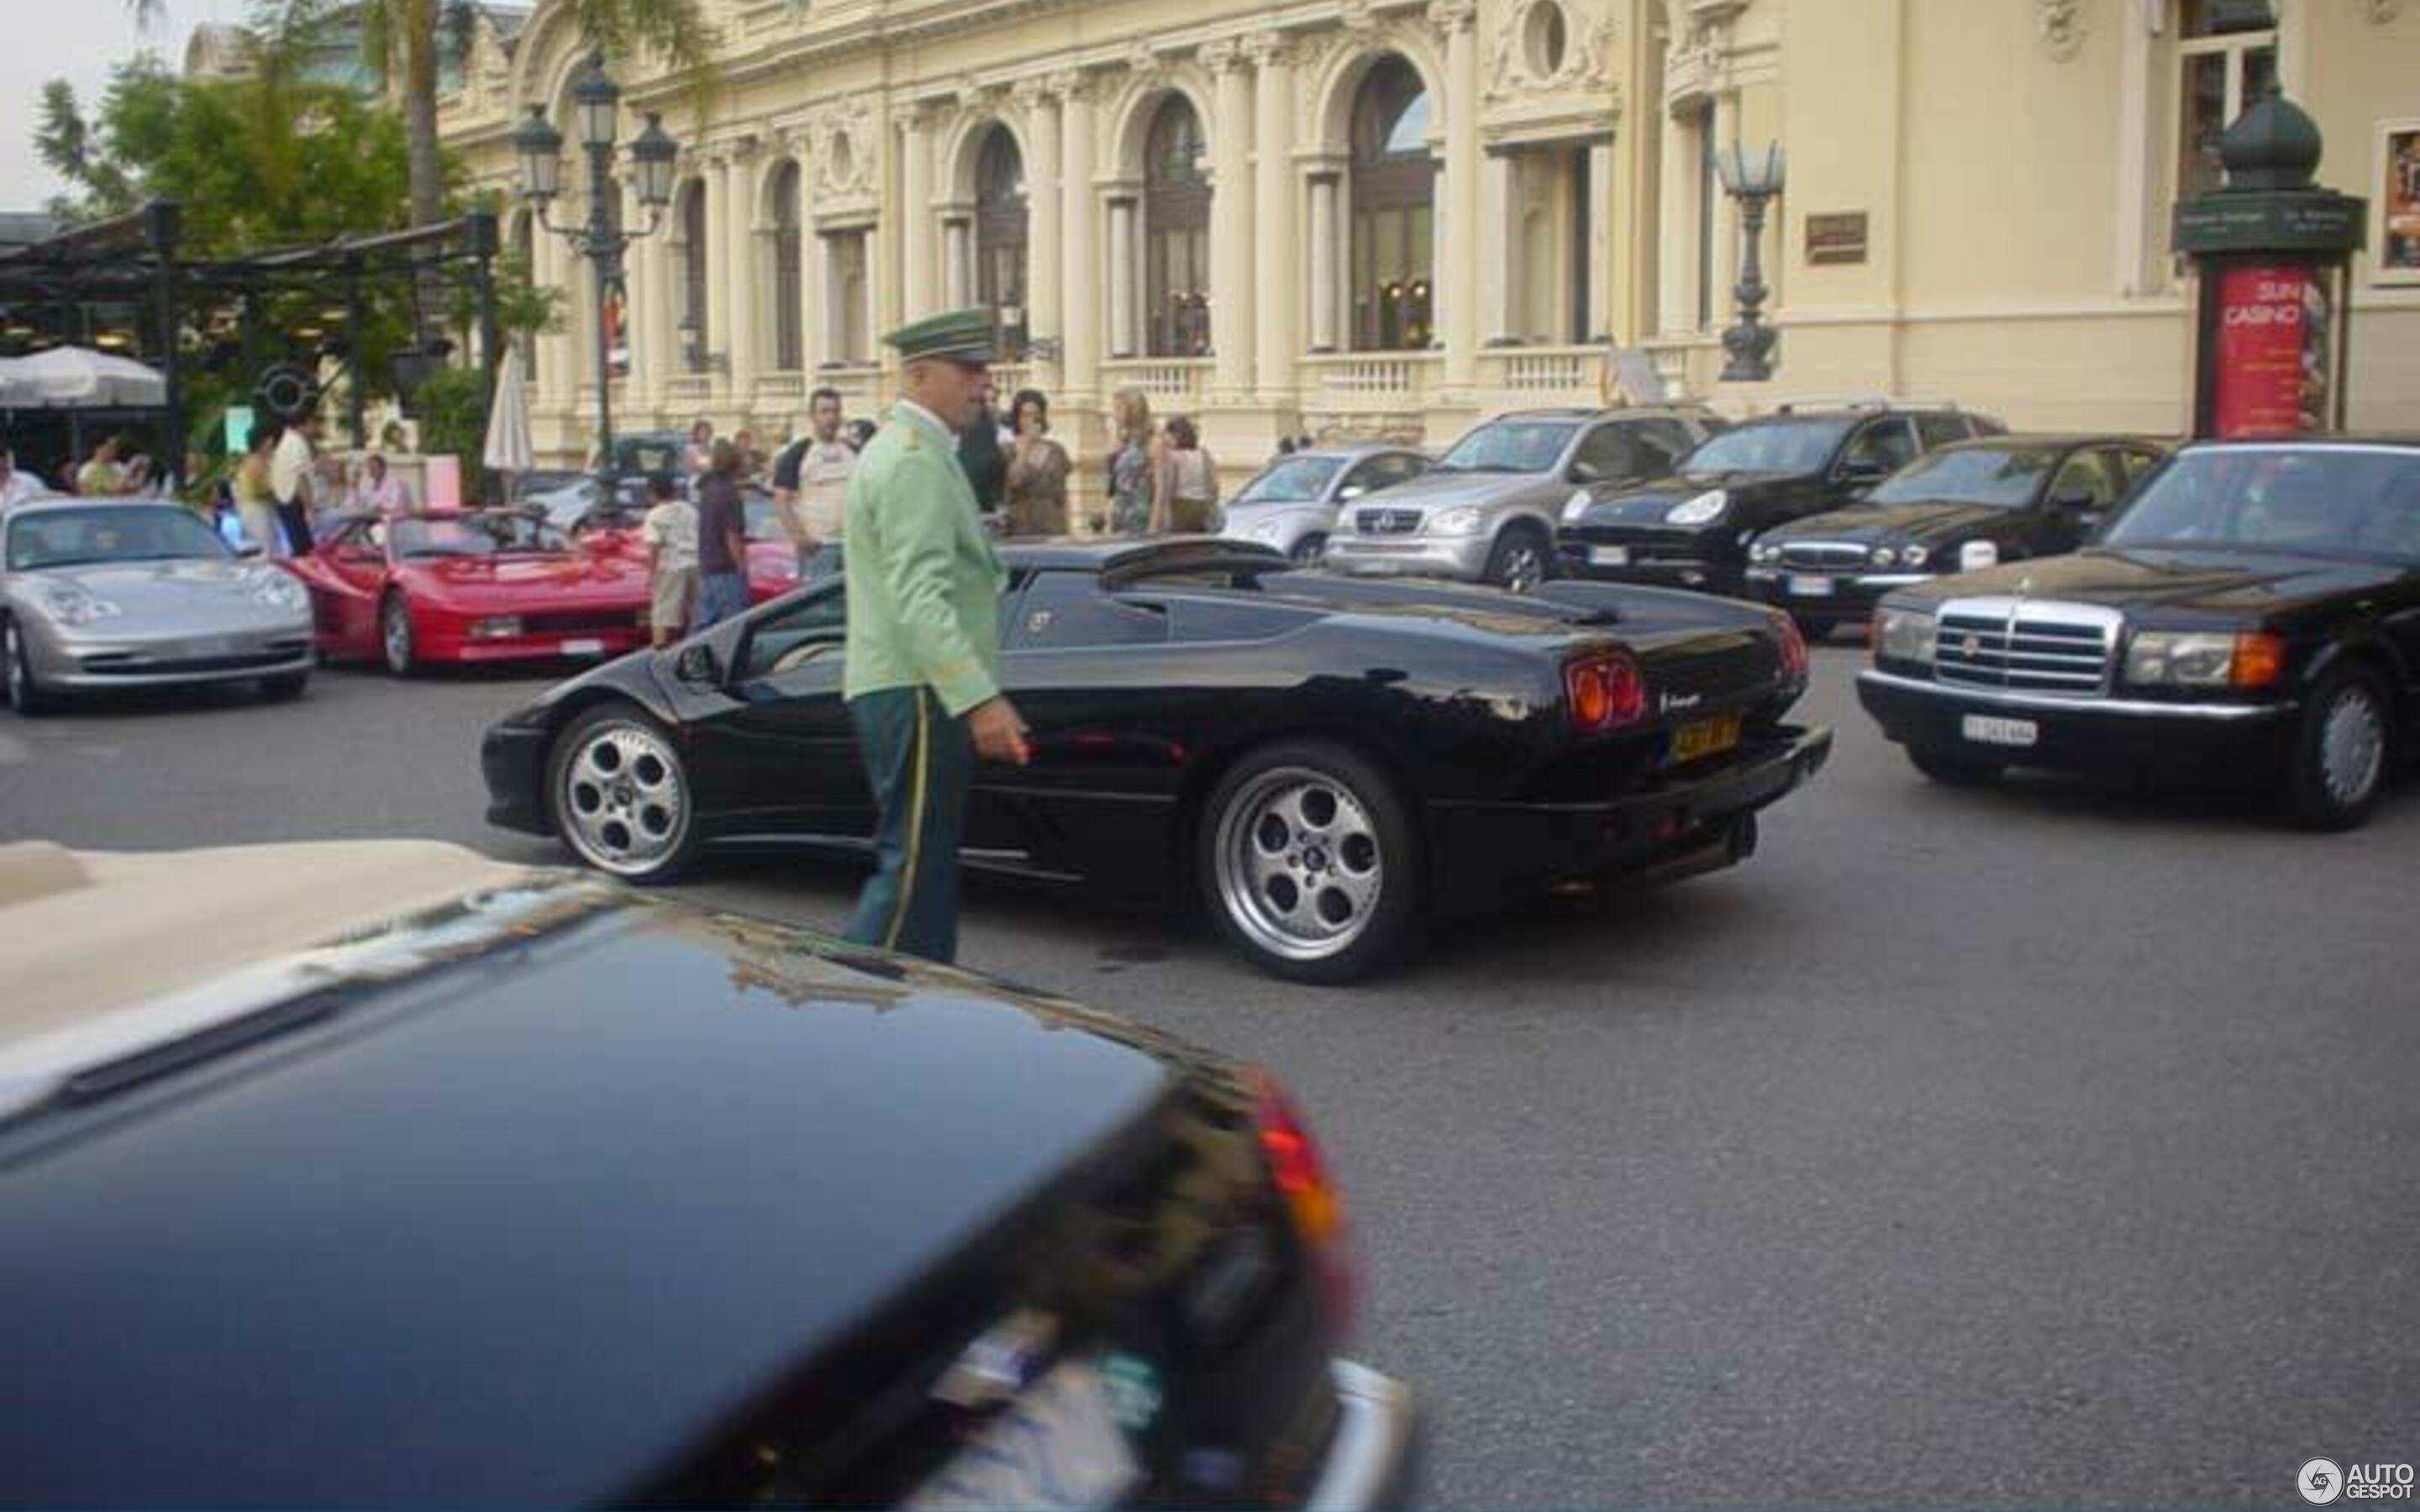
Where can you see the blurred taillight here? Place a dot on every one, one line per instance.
(1793, 648)
(1299, 1173)
(1605, 692)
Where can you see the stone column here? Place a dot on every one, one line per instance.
(1279, 336)
(810, 266)
(1499, 267)
(1122, 276)
(1323, 273)
(1676, 199)
(1600, 239)
(1045, 215)
(1458, 248)
(1232, 299)
(915, 216)
(739, 276)
(958, 258)
(1081, 305)
(835, 310)
(658, 317)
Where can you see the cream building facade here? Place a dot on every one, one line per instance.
(1394, 216)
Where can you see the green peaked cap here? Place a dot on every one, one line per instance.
(954, 335)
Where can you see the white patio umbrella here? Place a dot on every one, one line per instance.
(78, 378)
(509, 427)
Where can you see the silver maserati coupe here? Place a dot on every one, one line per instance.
(102, 593)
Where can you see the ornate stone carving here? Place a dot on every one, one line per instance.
(1587, 61)
(1450, 16)
(1270, 50)
(2061, 22)
(1222, 57)
(1357, 15)
(2383, 11)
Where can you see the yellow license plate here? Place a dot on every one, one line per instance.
(1706, 737)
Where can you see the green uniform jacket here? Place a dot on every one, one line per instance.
(924, 583)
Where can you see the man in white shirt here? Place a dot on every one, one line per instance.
(17, 488)
(289, 475)
(810, 488)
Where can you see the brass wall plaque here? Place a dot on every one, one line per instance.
(1836, 239)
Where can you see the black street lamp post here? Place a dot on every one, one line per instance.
(1753, 181)
(597, 103)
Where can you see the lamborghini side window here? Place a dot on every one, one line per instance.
(1069, 612)
(815, 626)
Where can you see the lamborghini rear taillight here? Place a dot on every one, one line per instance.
(1604, 692)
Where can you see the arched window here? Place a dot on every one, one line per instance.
(789, 328)
(693, 251)
(1000, 235)
(1177, 234)
(1394, 213)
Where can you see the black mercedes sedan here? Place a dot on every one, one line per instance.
(2253, 611)
(1693, 530)
(1325, 761)
(1965, 507)
(383, 1174)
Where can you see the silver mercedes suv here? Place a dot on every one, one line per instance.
(1487, 512)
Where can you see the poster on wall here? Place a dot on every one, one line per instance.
(2399, 201)
(2264, 317)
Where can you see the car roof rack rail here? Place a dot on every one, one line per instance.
(1862, 401)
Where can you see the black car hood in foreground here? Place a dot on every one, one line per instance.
(2186, 581)
(577, 1196)
(1877, 523)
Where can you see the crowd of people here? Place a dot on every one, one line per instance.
(1158, 478)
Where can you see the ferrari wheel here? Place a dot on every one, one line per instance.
(1309, 862)
(396, 638)
(620, 795)
(26, 693)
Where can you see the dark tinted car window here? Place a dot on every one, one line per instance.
(1975, 475)
(1672, 439)
(1611, 452)
(1940, 430)
(1068, 611)
(813, 627)
(1381, 471)
(1778, 446)
(2087, 474)
(2324, 500)
(1886, 442)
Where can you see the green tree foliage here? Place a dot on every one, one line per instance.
(256, 163)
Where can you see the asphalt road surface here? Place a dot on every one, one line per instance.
(2056, 1145)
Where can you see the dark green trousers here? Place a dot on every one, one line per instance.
(920, 761)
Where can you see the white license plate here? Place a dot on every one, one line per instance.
(1991, 729)
(583, 648)
(1609, 556)
(1810, 587)
(1056, 1446)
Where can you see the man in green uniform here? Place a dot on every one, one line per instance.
(922, 680)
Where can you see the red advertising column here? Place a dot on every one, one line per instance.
(2263, 322)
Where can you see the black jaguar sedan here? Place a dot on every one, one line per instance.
(2252, 613)
(381, 1174)
(1325, 761)
(1962, 508)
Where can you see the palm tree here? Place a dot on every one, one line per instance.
(402, 42)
